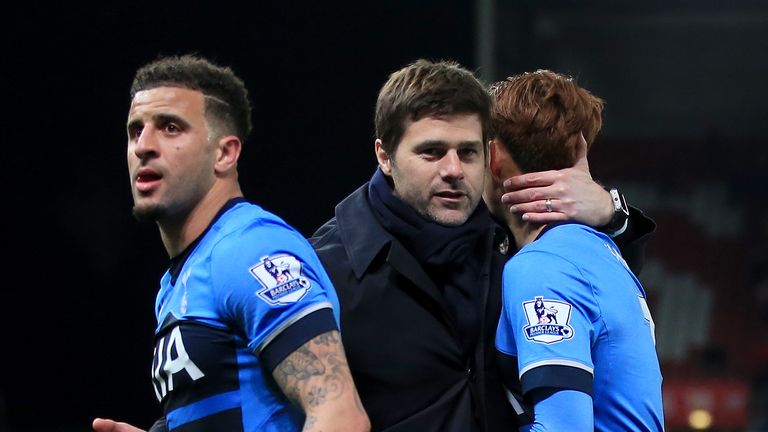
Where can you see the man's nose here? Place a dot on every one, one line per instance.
(451, 165)
(146, 144)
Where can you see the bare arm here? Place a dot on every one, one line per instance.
(316, 377)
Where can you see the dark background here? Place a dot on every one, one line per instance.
(685, 85)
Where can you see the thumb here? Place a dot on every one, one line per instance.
(103, 425)
(581, 154)
(106, 425)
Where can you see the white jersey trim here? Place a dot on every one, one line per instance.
(513, 401)
(291, 321)
(555, 362)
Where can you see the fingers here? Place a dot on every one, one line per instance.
(548, 178)
(581, 155)
(534, 179)
(539, 206)
(541, 218)
(532, 196)
(107, 425)
(538, 212)
(103, 425)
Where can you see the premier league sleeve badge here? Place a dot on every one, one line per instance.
(548, 320)
(281, 278)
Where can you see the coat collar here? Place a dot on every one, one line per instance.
(364, 238)
(361, 234)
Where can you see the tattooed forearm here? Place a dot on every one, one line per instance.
(317, 377)
(293, 372)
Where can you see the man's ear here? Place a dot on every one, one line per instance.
(227, 153)
(385, 161)
(495, 156)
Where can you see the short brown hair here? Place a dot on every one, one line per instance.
(424, 88)
(537, 116)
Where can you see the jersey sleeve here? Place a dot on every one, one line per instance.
(272, 286)
(550, 314)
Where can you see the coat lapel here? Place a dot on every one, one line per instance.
(404, 263)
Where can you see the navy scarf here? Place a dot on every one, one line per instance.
(443, 251)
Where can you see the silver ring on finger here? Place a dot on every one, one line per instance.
(548, 205)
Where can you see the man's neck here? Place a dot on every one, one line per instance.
(524, 232)
(178, 234)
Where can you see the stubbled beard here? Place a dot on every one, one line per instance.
(441, 221)
(149, 213)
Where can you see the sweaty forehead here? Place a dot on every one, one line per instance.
(170, 100)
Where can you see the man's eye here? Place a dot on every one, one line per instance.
(172, 128)
(135, 132)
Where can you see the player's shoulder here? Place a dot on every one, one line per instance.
(570, 234)
(247, 233)
(573, 242)
(250, 221)
(554, 258)
(327, 235)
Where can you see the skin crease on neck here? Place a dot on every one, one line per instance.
(174, 164)
(501, 166)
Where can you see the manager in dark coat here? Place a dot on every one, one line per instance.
(416, 258)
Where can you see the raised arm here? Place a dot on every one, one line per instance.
(316, 377)
(573, 195)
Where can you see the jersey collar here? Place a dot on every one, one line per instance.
(178, 261)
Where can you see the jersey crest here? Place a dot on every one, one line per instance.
(281, 278)
(547, 320)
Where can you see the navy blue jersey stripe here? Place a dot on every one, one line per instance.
(203, 408)
(293, 337)
(211, 350)
(558, 377)
(230, 420)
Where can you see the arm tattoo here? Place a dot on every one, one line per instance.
(316, 374)
(330, 338)
(316, 396)
(293, 372)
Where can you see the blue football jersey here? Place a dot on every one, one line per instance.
(575, 317)
(250, 291)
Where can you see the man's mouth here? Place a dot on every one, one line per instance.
(451, 195)
(147, 180)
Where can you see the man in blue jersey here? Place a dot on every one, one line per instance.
(247, 320)
(575, 330)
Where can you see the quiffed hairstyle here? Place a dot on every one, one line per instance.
(537, 116)
(226, 98)
(423, 89)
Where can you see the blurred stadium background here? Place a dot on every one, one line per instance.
(684, 137)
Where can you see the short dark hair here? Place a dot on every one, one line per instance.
(226, 98)
(537, 117)
(424, 88)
